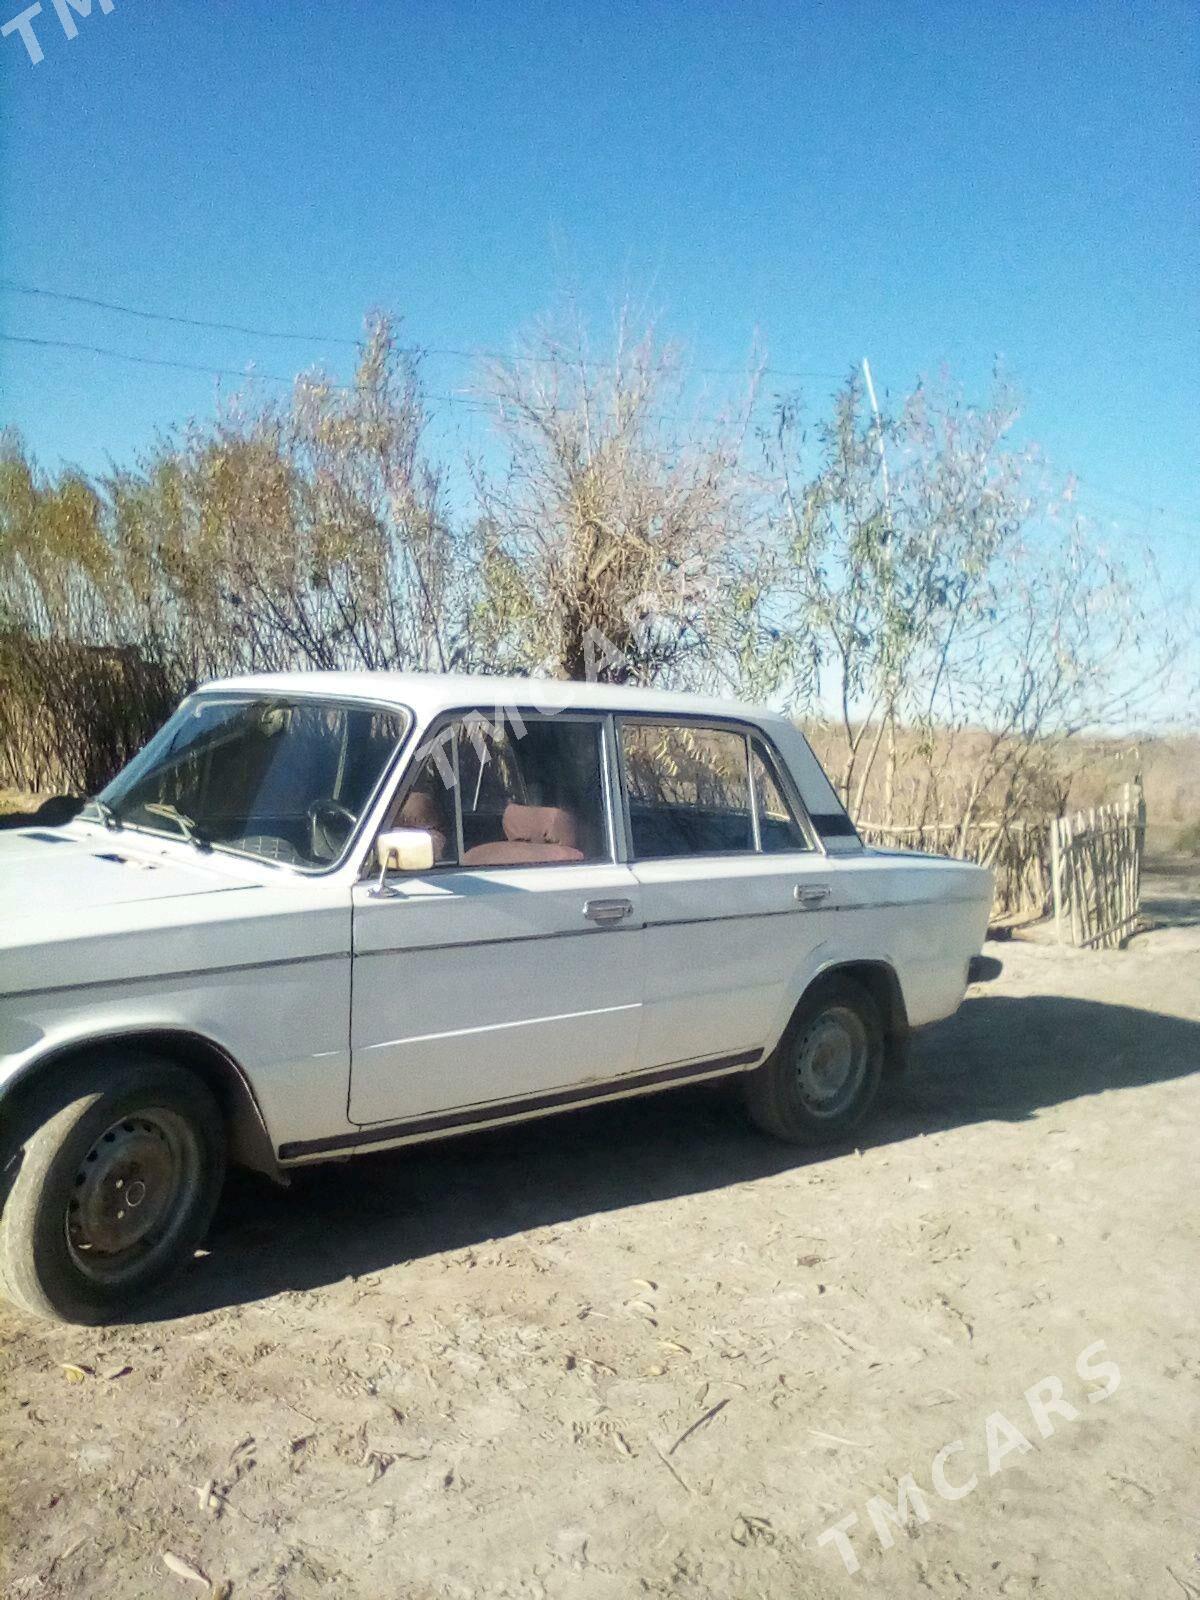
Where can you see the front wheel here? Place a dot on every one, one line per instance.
(113, 1173)
(824, 1075)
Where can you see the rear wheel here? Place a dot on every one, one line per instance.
(112, 1176)
(824, 1075)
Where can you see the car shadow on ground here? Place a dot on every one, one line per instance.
(1172, 903)
(1170, 891)
(1000, 1058)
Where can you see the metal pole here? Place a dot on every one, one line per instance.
(883, 466)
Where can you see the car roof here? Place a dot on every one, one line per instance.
(430, 693)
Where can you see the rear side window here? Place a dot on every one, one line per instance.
(779, 828)
(700, 791)
(689, 789)
(512, 792)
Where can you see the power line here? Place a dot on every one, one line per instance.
(477, 406)
(10, 286)
(1138, 503)
(469, 401)
(165, 316)
(144, 361)
(1182, 520)
(1184, 526)
(208, 372)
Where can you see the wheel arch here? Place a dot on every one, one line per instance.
(249, 1140)
(882, 982)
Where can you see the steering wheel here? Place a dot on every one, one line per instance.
(329, 826)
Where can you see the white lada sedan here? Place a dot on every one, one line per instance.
(327, 913)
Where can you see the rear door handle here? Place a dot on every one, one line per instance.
(607, 912)
(811, 894)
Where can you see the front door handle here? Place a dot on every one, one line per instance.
(811, 894)
(607, 912)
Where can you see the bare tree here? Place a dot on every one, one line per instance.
(611, 546)
(961, 622)
(311, 532)
(307, 532)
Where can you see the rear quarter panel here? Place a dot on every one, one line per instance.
(922, 916)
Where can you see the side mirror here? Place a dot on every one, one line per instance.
(406, 849)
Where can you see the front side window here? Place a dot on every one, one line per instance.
(283, 780)
(514, 792)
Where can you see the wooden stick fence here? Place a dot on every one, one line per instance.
(1086, 868)
(1016, 851)
(1096, 871)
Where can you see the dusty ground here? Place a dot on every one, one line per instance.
(473, 1370)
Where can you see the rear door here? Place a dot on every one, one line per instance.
(512, 970)
(732, 886)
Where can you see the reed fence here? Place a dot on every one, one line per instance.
(1096, 871)
(1085, 868)
(1018, 853)
(72, 715)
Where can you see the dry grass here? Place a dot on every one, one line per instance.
(1080, 773)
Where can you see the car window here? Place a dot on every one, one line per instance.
(519, 792)
(285, 780)
(688, 788)
(778, 826)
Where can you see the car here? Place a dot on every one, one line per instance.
(328, 913)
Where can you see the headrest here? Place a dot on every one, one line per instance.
(421, 810)
(540, 825)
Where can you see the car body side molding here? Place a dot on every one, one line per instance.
(499, 1111)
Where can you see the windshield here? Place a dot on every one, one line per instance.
(283, 780)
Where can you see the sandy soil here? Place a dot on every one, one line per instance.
(643, 1351)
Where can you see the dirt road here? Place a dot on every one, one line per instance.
(642, 1351)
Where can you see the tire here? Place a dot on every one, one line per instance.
(80, 1157)
(823, 1077)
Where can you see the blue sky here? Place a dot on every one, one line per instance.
(927, 184)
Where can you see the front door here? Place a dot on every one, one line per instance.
(513, 968)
